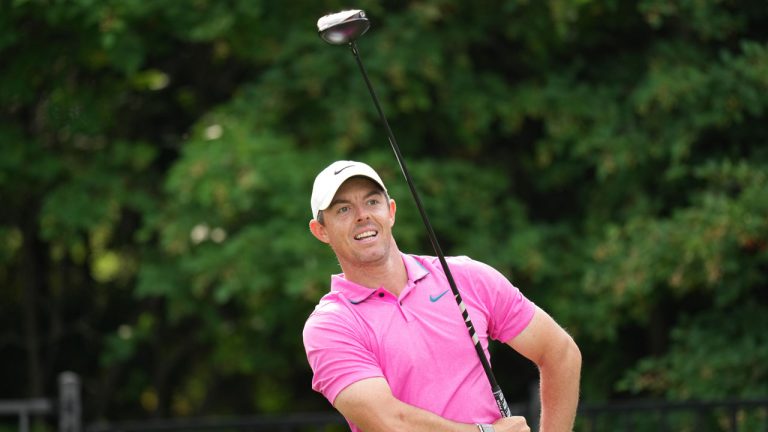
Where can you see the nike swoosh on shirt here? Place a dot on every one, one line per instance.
(342, 169)
(437, 297)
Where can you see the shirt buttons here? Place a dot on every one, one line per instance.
(381, 294)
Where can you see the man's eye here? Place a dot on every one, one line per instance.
(373, 201)
(343, 209)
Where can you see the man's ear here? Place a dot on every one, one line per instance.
(318, 230)
(392, 211)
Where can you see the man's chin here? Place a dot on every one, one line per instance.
(371, 257)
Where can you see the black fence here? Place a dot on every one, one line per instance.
(665, 416)
(636, 416)
(65, 408)
(631, 416)
(302, 422)
(24, 409)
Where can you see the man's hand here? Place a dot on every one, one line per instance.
(511, 424)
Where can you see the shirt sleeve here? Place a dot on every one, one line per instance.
(512, 312)
(509, 311)
(337, 354)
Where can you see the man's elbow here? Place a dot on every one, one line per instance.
(574, 353)
(564, 353)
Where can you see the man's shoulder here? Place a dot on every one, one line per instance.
(468, 272)
(331, 307)
(332, 319)
(330, 303)
(460, 260)
(457, 263)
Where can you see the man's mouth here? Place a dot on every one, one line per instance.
(366, 234)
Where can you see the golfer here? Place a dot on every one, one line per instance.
(388, 346)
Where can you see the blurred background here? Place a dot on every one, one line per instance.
(156, 161)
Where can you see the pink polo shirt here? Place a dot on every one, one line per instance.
(418, 341)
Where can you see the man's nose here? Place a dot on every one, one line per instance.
(363, 213)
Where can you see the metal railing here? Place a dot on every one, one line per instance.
(298, 422)
(67, 406)
(635, 416)
(667, 416)
(24, 409)
(630, 416)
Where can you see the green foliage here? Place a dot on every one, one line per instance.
(705, 347)
(157, 161)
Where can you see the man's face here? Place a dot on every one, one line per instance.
(358, 223)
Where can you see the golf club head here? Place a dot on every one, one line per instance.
(343, 27)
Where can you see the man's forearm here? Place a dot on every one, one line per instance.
(407, 417)
(560, 377)
(370, 405)
(413, 419)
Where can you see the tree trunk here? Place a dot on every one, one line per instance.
(30, 275)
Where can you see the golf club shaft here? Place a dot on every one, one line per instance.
(497, 393)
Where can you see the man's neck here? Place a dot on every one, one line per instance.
(389, 274)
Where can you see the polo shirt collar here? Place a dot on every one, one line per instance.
(416, 270)
(357, 293)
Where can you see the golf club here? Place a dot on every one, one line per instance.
(344, 28)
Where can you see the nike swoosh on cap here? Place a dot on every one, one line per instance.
(342, 169)
(436, 298)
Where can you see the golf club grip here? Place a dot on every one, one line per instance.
(501, 402)
(497, 393)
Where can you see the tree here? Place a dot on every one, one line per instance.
(158, 158)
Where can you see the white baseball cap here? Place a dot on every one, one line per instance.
(331, 178)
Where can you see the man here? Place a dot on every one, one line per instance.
(388, 346)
